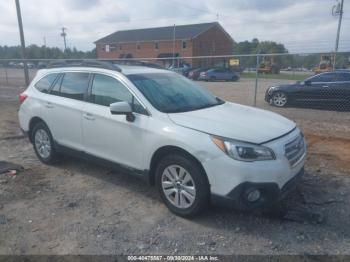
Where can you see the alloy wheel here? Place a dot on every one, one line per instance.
(178, 186)
(279, 99)
(42, 143)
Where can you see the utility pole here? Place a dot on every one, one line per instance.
(44, 46)
(337, 11)
(23, 46)
(174, 32)
(64, 34)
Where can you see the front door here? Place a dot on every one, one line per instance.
(113, 137)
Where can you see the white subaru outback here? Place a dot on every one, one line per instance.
(156, 124)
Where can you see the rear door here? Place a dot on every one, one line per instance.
(342, 90)
(109, 136)
(65, 108)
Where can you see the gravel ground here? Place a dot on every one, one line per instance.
(76, 207)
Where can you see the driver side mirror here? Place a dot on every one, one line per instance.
(122, 108)
(307, 82)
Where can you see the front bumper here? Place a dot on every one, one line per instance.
(203, 78)
(268, 95)
(229, 178)
(270, 194)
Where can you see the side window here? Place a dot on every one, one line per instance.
(343, 77)
(184, 44)
(44, 83)
(107, 90)
(74, 85)
(327, 77)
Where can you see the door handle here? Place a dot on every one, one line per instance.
(48, 105)
(88, 116)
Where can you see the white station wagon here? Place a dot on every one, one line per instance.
(156, 124)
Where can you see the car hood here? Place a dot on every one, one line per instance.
(236, 122)
(284, 86)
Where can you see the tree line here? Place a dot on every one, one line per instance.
(42, 52)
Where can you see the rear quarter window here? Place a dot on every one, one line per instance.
(344, 77)
(44, 84)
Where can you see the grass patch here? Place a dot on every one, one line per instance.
(284, 76)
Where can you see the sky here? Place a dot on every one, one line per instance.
(301, 25)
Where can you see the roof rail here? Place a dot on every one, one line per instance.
(84, 63)
(138, 63)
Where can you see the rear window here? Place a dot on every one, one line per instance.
(74, 85)
(44, 84)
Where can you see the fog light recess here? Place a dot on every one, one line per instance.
(254, 195)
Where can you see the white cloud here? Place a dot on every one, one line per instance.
(303, 26)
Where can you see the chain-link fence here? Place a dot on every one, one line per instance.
(263, 80)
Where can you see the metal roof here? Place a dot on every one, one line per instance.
(157, 33)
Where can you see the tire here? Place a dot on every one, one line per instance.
(185, 189)
(279, 99)
(212, 79)
(43, 144)
(234, 79)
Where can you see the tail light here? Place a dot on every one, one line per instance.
(22, 97)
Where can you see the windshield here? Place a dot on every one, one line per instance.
(171, 93)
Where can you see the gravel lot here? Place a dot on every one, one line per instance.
(77, 207)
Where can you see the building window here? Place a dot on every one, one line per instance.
(184, 44)
(138, 47)
(112, 48)
(107, 48)
(156, 45)
(120, 47)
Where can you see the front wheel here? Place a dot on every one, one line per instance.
(279, 99)
(234, 78)
(182, 185)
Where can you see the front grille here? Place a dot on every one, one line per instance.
(295, 150)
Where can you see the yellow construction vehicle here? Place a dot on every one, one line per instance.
(268, 66)
(325, 65)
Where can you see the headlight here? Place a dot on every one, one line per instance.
(271, 89)
(243, 151)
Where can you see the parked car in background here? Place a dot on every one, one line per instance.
(19, 65)
(322, 90)
(179, 69)
(186, 71)
(219, 74)
(42, 65)
(30, 65)
(12, 65)
(194, 74)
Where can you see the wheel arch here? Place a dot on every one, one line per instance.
(171, 150)
(32, 123)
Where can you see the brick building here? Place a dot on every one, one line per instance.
(190, 40)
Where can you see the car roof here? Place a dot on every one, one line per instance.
(125, 70)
